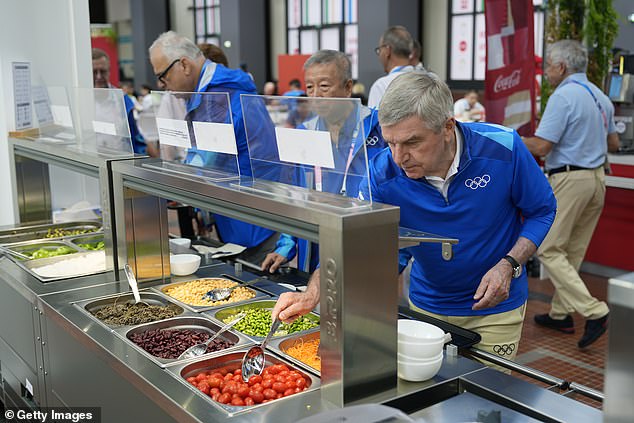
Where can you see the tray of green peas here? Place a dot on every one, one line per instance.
(257, 321)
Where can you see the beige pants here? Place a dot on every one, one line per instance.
(500, 332)
(580, 196)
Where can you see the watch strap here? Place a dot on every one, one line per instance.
(515, 264)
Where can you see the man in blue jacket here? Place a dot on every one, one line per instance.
(180, 66)
(328, 74)
(472, 181)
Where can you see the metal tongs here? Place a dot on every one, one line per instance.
(220, 294)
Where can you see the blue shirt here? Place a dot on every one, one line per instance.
(576, 125)
(288, 246)
(138, 142)
(498, 195)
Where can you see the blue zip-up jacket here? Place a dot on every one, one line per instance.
(138, 142)
(308, 256)
(218, 78)
(498, 195)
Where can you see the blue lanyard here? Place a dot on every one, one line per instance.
(603, 114)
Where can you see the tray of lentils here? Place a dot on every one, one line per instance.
(257, 321)
(166, 340)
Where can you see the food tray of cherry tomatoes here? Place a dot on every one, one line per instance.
(219, 380)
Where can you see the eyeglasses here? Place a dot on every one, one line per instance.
(162, 75)
(377, 50)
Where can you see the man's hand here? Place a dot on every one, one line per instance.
(272, 262)
(292, 305)
(494, 287)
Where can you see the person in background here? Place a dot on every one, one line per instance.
(214, 53)
(473, 181)
(415, 57)
(394, 50)
(179, 65)
(101, 79)
(468, 109)
(300, 114)
(270, 88)
(328, 75)
(128, 89)
(295, 89)
(575, 133)
(245, 68)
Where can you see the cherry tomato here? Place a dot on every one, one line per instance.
(279, 368)
(228, 377)
(300, 383)
(284, 373)
(289, 391)
(223, 372)
(279, 395)
(267, 383)
(243, 390)
(279, 387)
(214, 391)
(224, 398)
(201, 376)
(279, 378)
(217, 374)
(214, 382)
(249, 401)
(269, 394)
(237, 372)
(258, 397)
(215, 396)
(203, 387)
(255, 379)
(191, 379)
(295, 374)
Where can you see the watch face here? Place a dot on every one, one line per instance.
(517, 271)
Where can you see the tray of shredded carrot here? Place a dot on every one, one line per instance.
(303, 348)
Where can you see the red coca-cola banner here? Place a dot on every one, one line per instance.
(510, 65)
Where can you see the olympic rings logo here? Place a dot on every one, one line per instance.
(477, 182)
(504, 349)
(372, 140)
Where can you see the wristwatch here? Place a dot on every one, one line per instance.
(517, 268)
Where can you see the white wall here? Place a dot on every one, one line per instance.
(54, 36)
(278, 33)
(182, 18)
(435, 43)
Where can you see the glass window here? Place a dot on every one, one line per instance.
(207, 21)
(313, 25)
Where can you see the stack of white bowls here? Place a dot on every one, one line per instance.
(420, 348)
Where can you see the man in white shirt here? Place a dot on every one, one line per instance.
(468, 109)
(394, 49)
(415, 57)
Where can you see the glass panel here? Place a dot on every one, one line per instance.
(352, 48)
(211, 21)
(329, 39)
(351, 11)
(332, 11)
(306, 151)
(293, 41)
(462, 6)
(200, 22)
(199, 3)
(196, 135)
(309, 41)
(312, 12)
(480, 47)
(104, 121)
(293, 12)
(53, 114)
(461, 47)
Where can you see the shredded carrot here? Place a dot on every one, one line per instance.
(306, 352)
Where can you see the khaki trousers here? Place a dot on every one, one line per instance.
(500, 332)
(580, 196)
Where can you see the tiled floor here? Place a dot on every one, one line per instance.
(556, 353)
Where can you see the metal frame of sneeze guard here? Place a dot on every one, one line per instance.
(317, 144)
(54, 115)
(358, 255)
(103, 120)
(196, 135)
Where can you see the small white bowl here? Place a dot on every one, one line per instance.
(415, 372)
(417, 331)
(184, 264)
(421, 350)
(415, 360)
(179, 245)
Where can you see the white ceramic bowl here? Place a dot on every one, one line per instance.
(184, 264)
(418, 372)
(421, 350)
(416, 360)
(179, 245)
(417, 331)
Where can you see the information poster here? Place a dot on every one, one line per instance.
(22, 95)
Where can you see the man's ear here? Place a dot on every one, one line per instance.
(348, 87)
(188, 65)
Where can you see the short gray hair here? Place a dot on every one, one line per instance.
(571, 53)
(417, 93)
(399, 39)
(175, 46)
(325, 57)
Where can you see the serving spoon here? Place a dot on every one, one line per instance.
(253, 360)
(200, 349)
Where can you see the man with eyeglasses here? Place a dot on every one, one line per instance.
(180, 66)
(394, 50)
(101, 79)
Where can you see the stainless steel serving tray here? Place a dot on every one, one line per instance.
(20, 249)
(29, 265)
(227, 311)
(39, 231)
(94, 304)
(198, 323)
(232, 361)
(161, 289)
(85, 239)
(280, 345)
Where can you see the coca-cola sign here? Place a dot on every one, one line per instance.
(503, 83)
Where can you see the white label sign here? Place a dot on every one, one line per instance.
(62, 116)
(22, 95)
(42, 105)
(107, 128)
(304, 146)
(29, 387)
(173, 132)
(216, 137)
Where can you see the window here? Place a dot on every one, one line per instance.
(207, 21)
(467, 41)
(313, 25)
